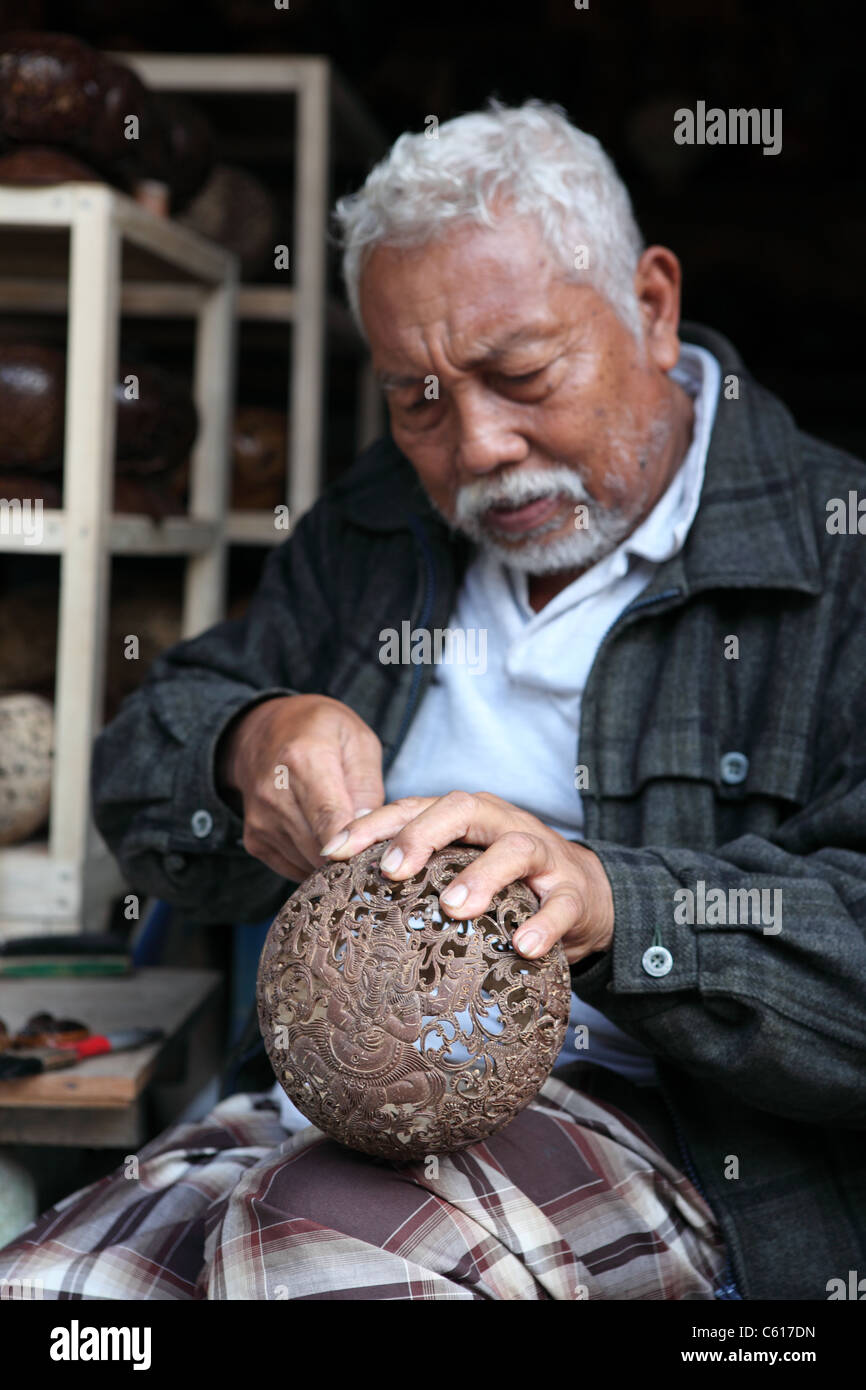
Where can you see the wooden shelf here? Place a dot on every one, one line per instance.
(318, 99)
(70, 239)
(87, 251)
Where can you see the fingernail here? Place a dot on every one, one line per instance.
(392, 860)
(333, 845)
(455, 895)
(530, 943)
(364, 811)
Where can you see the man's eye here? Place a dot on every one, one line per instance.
(525, 376)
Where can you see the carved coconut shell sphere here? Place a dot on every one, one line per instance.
(400, 1031)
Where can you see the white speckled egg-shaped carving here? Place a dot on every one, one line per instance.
(26, 751)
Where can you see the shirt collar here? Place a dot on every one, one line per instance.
(754, 525)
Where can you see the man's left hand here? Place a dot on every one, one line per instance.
(568, 879)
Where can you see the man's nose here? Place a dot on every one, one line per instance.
(486, 435)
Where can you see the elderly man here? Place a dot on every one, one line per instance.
(665, 739)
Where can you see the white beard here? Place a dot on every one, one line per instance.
(580, 548)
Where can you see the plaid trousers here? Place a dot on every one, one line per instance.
(571, 1200)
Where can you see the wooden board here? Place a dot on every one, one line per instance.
(152, 998)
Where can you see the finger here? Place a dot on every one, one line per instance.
(514, 855)
(297, 841)
(378, 824)
(475, 817)
(564, 910)
(317, 778)
(273, 856)
(362, 761)
(276, 817)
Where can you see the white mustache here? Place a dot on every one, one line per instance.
(517, 489)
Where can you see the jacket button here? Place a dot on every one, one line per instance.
(657, 960)
(733, 768)
(202, 823)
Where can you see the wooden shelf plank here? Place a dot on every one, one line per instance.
(148, 299)
(205, 72)
(174, 535)
(128, 534)
(45, 530)
(177, 245)
(155, 299)
(253, 528)
(267, 303)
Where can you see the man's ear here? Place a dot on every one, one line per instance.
(657, 282)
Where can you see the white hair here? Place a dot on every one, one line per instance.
(529, 160)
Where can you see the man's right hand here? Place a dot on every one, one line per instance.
(303, 766)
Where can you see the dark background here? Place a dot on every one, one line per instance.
(770, 245)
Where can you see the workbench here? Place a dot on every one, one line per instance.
(99, 1102)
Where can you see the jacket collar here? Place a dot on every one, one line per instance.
(753, 528)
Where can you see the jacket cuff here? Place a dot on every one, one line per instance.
(643, 899)
(594, 973)
(203, 823)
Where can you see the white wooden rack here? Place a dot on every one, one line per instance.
(323, 100)
(88, 250)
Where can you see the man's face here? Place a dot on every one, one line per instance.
(535, 421)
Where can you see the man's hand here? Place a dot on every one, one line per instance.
(573, 888)
(304, 766)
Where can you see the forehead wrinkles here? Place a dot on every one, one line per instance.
(461, 303)
(462, 346)
(457, 345)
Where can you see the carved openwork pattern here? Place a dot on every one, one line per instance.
(396, 1029)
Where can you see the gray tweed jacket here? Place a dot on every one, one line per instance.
(703, 769)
